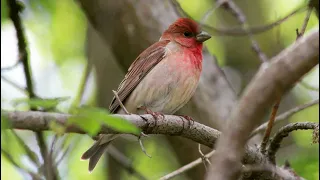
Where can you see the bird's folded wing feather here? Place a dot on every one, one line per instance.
(147, 60)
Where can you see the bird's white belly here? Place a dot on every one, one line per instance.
(166, 88)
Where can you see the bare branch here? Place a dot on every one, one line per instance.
(237, 12)
(120, 103)
(142, 147)
(11, 67)
(22, 47)
(33, 157)
(40, 121)
(273, 79)
(305, 23)
(236, 31)
(170, 125)
(270, 125)
(186, 167)
(285, 116)
(284, 132)
(204, 159)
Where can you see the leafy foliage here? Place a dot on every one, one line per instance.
(39, 103)
(91, 119)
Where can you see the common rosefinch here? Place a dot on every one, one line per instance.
(162, 79)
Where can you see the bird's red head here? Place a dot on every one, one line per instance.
(186, 32)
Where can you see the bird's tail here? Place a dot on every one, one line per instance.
(95, 152)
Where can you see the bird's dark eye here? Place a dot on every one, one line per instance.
(187, 34)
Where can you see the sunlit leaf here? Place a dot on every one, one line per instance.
(40, 103)
(57, 128)
(5, 123)
(4, 11)
(95, 117)
(87, 124)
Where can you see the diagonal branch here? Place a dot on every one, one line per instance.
(272, 80)
(267, 133)
(186, 167)
(237, 12)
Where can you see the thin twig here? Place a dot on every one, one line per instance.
(58, 161)
(210, 11)
(53, 145)
(11, 67)
(186, 167)
(285, 116)
(237, 12)
(127, 112)
(204, 159)
(120, 103)
(142, 147)
(13, 84)
(178, 9)
(305, 23)
(237, 31)
(32, 155)
(284, 132)
(22, 47)
(269, 127)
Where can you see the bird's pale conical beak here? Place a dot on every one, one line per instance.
(203, 36)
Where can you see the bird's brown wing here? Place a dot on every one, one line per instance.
(148, 59)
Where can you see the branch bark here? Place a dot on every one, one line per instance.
(272, 81)
(171, 125)
(284, 132)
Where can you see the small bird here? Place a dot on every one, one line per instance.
(162, 79)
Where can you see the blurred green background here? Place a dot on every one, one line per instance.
(56, 34)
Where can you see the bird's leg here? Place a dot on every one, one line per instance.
(190, 120)
(155, 115)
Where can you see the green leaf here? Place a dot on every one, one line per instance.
(92, 118)
(57, 128)
(5, 123)
(40, 103)
(4, 11)
(87, 124)
(121, 125)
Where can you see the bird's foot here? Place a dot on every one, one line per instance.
(190, 120)
(155, 115)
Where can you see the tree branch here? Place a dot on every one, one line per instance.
(237, 13)
(284, 132)
(267, 133)
(285, 116)
(272, 80)
(186, 167)
(170, 125)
